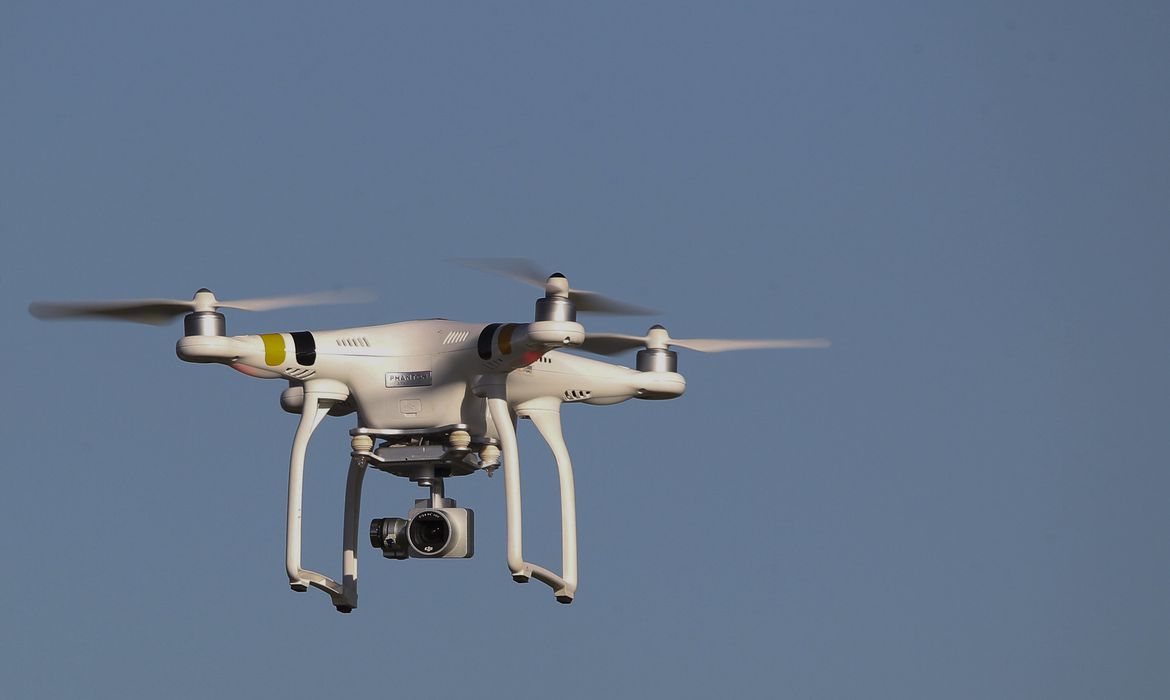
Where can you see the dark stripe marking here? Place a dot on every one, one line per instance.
(485, 341)
(306, 347)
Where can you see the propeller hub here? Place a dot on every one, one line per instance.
(557, 286)
(556, 305)
(657, 338)
(204, 300)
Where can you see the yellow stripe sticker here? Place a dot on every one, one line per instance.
(273, 349)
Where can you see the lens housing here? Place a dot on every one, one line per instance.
(429, 533)
(388, 535)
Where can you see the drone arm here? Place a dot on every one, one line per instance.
(215, 348)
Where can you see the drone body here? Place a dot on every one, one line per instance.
(434, 399)
(420, 374)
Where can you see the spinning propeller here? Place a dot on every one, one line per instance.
(527, 271)
(658, 339)
(161, 311)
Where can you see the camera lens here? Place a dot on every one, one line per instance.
(377, 532)
(386, 535)
(429, 532)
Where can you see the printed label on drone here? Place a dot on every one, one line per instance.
(394, 379)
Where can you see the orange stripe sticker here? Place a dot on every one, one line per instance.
(505, 339)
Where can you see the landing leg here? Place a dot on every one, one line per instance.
(522, 570)
(349, 555)
(319, 396)
(548, 422)
(311, 416)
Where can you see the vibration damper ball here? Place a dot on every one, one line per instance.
(490, 456)
(460, 440)
(362, 443)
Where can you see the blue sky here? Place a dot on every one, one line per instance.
(964, 497)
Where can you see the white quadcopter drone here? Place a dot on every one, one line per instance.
(441, 397)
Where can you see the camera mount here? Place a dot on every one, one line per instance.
(434, 528)
(449, 450)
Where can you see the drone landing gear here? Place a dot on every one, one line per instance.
(547, 419)
(320, 396)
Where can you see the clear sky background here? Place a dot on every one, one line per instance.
(965, 497)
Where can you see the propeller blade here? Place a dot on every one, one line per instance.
(339, 296)
(529, 272)
(161, 311)
(723, 345)
(611, 343)
(595, 303)
(521, 269)
(616, 343)
(155, 312)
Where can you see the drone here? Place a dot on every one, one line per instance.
(434, 399)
